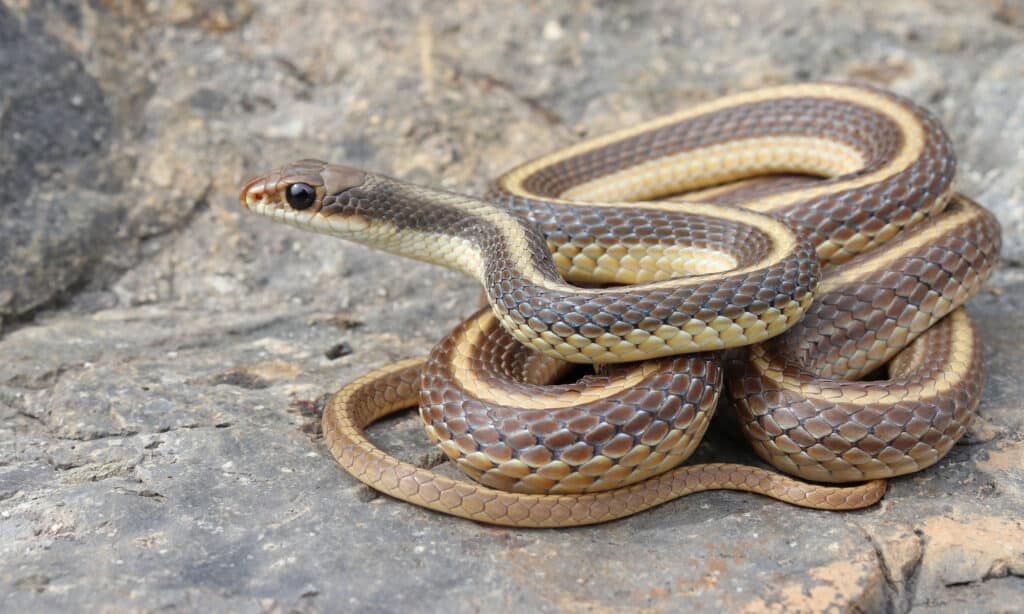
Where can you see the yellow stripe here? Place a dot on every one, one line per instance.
(438, 248)
(784, 241)
(912, 146)
(465, 376)
(958, 359)
(720, 164)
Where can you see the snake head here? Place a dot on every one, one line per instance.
(304, 193)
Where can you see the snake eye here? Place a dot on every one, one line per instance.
(300, 195)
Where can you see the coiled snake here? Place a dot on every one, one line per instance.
(788, 269)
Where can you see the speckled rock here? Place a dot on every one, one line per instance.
(165, 356)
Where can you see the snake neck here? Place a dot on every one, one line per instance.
(443, 228)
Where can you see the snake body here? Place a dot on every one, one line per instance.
(701, 276)
(790, 394)
(487, 400)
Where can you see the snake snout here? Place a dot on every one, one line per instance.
(254, 192)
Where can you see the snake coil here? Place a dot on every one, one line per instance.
(773, 235)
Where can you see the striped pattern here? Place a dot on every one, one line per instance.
(856, 167)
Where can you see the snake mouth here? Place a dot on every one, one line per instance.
(254, 193)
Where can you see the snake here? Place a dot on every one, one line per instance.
(745, 243)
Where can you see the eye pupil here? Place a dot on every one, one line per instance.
(300, 195)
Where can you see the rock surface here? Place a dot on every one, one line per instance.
(165, 356)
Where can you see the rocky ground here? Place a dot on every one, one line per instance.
(164, 356)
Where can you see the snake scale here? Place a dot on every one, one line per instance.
(781, 245)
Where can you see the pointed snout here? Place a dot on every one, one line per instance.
(253, 192)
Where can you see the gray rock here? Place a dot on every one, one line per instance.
(161, 381)
(53, 120)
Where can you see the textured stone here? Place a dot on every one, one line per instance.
(53, 221)
(164, 363)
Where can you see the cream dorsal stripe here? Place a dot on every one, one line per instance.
(540, 397)
(882, 153)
